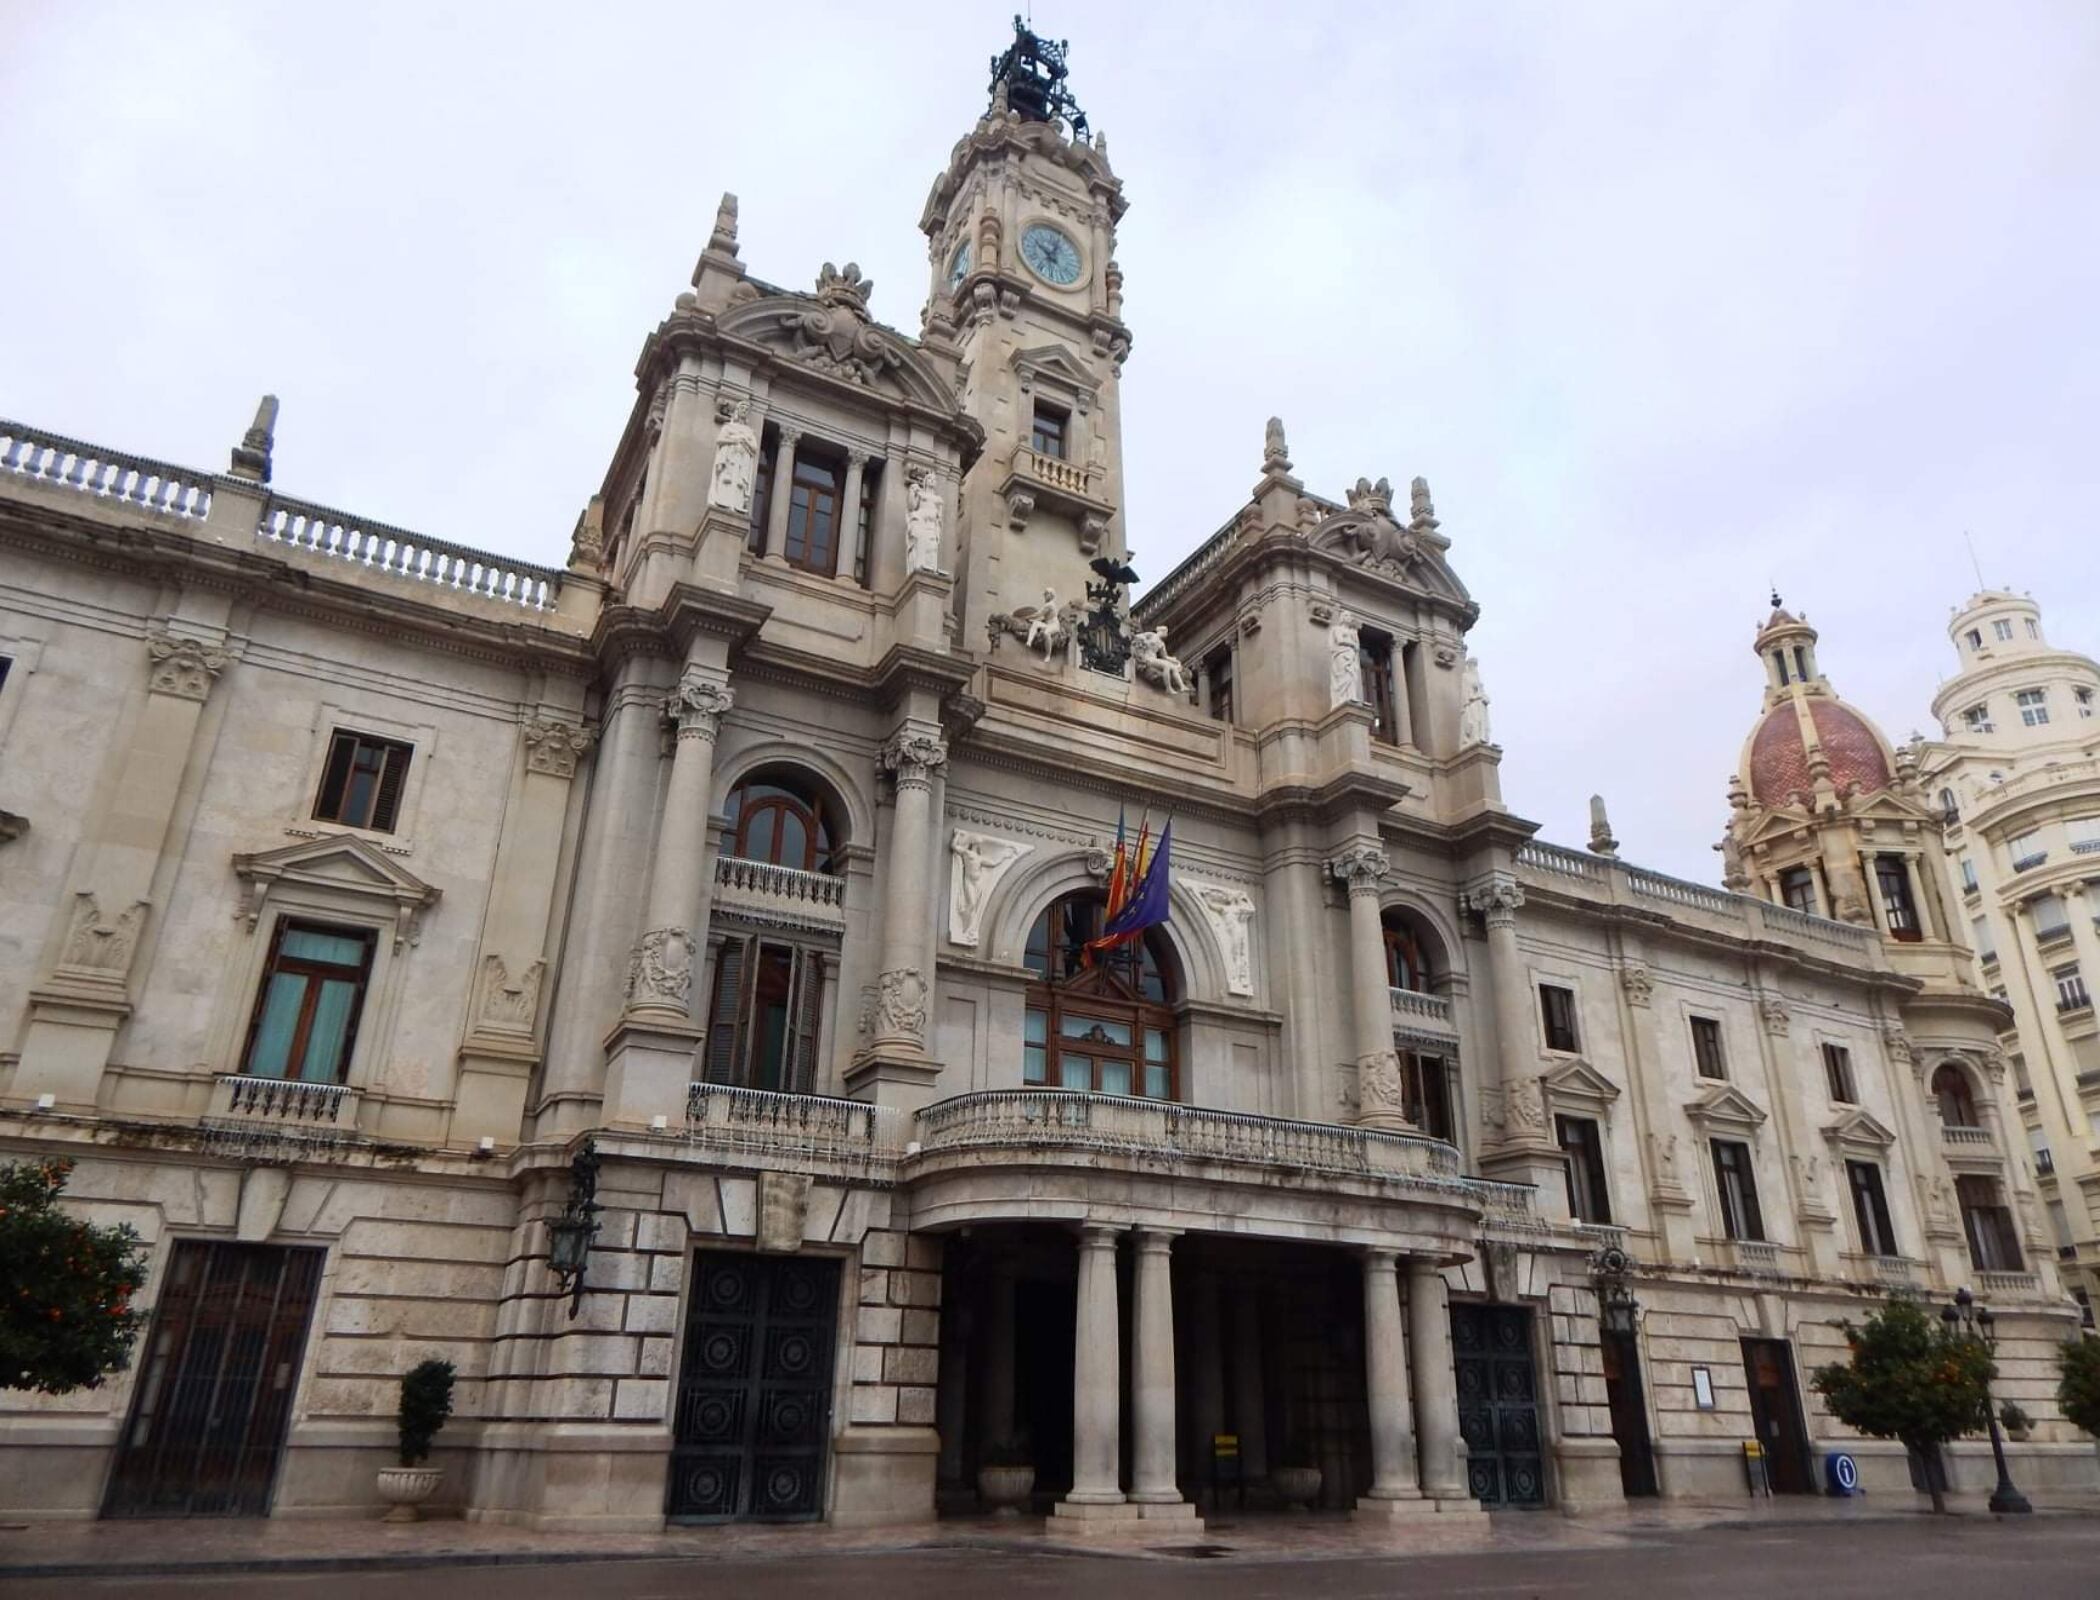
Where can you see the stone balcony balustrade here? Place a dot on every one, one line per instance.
(782, 896)
(238, 1098)
(1422, 1012)
(381, 548)
(1969, 1141)
(805, 1133)
(2002, 1283)
(54, 459)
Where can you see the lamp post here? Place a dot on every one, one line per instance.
(1966, 1317)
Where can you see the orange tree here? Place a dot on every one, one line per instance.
(1911, 1377)
(66, 1320)
(2078, 1390)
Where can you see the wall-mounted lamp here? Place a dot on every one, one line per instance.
(569, 1235)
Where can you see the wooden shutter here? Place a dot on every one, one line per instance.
(386, 806)
(328, 806)
(726, 1013)
(804, 1022)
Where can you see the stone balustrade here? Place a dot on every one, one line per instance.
(1416, 1008)
(52, 458)
(1969, 1138)
(1756, 1257)
(1508, 1207)
(781, 894)
(380, 548)
(1894, 1272)
(1558, 861)
(1066, 1119)
(1059, 474)
(1990, 1283)
(280, 1100)
(1676, 891)
(1603, 1235)
(795, 1132)
(1798, 926)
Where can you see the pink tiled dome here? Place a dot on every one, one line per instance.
(1779, 759)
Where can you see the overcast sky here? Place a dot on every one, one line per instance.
(1668, 303)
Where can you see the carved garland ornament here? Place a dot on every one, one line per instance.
(660, 972)
(99, 944)
(900, 1004)
(552, 747)
(183, 667)
(914, 756)
(698, 705)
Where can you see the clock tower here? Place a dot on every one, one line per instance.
(1027, 297)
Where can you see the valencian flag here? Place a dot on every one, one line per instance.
(1137, 893)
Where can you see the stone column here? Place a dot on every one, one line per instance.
(1930, 926)
(1152, 1372)
(951, 1398)
(997, 1346)
(660, 979)
(1249, 1411)
(1097, 1378)
(1403, 713)
(896, 1050)
(849, 515)
(1435, 1380)
(782, 491)
(1393, 1475)
(1379, 1102)
(1519, 1145)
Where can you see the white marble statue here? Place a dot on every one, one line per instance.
(1148, 654)
(1345, 678)
(1231, 915)
(736, 461)
(1473, 719)
(979, 861)
(922, 521)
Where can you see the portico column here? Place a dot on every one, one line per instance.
(1435, 1379)
(1097, 1375)
(1497, 901)
(660, 977)
(913, 756)
(1249, 1414)
(998, 1347)
(1152, 1372)
(847, 542)
(782, 491)
(1379, 1103)
(1393, 1475)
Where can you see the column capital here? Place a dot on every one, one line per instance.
(552, 746)
(1155, 1241)
(858, 458)
(1099, 1235)
(1361, 868)
(790, 436)
(912, 755)
(1380, 1257)
(185, 668)
(698, 704)
(1496, 898)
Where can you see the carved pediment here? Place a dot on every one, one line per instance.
(832, 332)
(1725, 1108)
(1859, 1130)
(1060, 367)
(343, 865)
(1366, 534)
(1580, 1084)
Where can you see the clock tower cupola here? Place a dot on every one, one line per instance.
(1021, 231)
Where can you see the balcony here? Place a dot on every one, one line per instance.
(1975, 1140)
(1422, 1013)
(2028, 863)
(1895, 1272)
(1757, 1257)
(1988, 1283)
(809, 1133)
(311, 1105)
(1052, 482)
(781, 896)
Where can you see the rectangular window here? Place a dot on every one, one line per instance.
(1892, 878)
(1870, 1209)
(6, 662)
(1424, 1096)
(2034, 629)
(2084, 700)
(812, 542)
(1797, 887)
(864, 519)
(2034, 706)
(1374, 655)
(764, 1014)
(2071, 992)
(1994, 1243)
(1706, 1047)
(2084, 833)
(362, 782)
(313, 989)
(1035, 1047)
(1986, 945)
(1978, 718)
(1219, 671)
(1588, 1199)
(1969, 885)
(2026, 851)
(1557, 1010)
(2002, 627)
(2050, 922)
(762, 491)
(1048, 436)
(1737, 1186)
(1837, 1073)
(1975, 638)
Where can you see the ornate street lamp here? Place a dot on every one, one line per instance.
(569, 1235)
(1617, 1310)
(1966, 1317)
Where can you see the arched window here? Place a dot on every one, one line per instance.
(1109, 1027)
(1424, 1073)
(1405, 965)
(776, 817)
(1950, 1087)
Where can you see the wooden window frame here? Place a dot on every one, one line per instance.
(1742, 1217)
(1050, 431)
(348, 749)
(315, 972)
(1801, 877)
(1109, 992)
(1892, 882)
(1568, 1026)
(1838, 1076)
(1402, 951)
(731, 1048)
(1987, 1224)
(821, 837)
(1709, 1063)
(811, 541)
(1870, 1208)
(1217, 668)
(1964, 1096)
(1374, 656)
(1581, 1141)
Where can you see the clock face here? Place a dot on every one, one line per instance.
(958, 265)
(1050, 255)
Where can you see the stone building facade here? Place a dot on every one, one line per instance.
(371, 902)
(2016, 777)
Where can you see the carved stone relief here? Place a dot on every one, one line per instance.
(979, 861)
(900, 1004)
(182, 667)
(1638, 983)
(1776, 1015)
(1230, 913)
(552, 747)
(507, 1004)
(99, 944)
(660, 972)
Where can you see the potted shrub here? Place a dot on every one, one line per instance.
(2017, 1423)
(426, 1401)
(1005, 1478)
(1298, 1487)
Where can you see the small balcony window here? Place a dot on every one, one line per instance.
(2003, 628)
(1557, 1012)
(1977, 719)
(1837, 1074)
(362, 783)
(1870, 1209)
(1582, 1149)
(1706, 1047)
(1892, 878)
(313, 991)
(2071, 992)
(1736, 1184)
(1954, 1096)
(1994, 1243)
(1049, 435)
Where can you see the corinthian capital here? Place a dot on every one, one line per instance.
(1361, 868)
(698, 705)
(552, 747)
(1496, 899)
(914, 755)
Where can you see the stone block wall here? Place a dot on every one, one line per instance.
(897, 1330)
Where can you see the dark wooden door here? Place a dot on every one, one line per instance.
(753, 1426)
(1629, 1413)
(1775, 1412)
(215, 1384)
(1498, 1406)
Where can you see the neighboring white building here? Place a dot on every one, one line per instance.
(359, 891)
(2017, 777)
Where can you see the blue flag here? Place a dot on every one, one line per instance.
(1148, 905)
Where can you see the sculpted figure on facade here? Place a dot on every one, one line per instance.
(736, 461)
(1662, 1160)
(1473, 726)
(1149, 658)
(1776, 1015)
(979, 861)
(922, 521)
(1638, 983)
(1379, 1096)
(1231, 916)
(95, 943)
(1047, 626)
(1345, 675)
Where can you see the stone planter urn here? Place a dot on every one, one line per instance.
(1005, 1490)
(405, 1488)
(1296, 1487)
